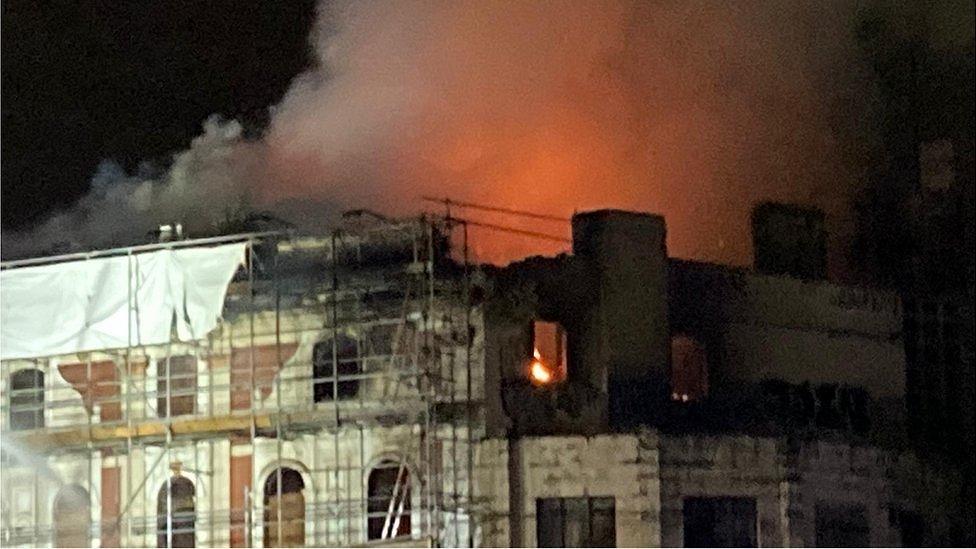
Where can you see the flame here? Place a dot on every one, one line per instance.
(539, 373)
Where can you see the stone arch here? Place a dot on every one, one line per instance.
(309, 494)
(290, 464)
(284, 508)
(176, 515)
(389, 485)
(71, 516)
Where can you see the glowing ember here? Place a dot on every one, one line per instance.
(539, 373)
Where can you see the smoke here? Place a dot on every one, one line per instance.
(695, 111)
(691, 110)
(204, 184)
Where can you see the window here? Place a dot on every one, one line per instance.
(329, 363)
(27, 400)
(575, 522)
(284, 509)
(176, 386)
(719, 522)
(842, 526)
(176, 515)
(72, 517)
(548, 364)
(828, 412)
(388, 502)
(689, 369)
(843, 408)
(911, 526)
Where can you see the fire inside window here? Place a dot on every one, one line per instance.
(548, 363)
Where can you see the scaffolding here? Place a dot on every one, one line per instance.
(341, 362)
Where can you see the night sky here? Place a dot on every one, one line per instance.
(131, 81)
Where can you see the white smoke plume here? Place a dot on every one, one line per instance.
(203, 185)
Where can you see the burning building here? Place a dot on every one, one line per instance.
(373, 387)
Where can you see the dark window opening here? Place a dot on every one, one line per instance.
(828, 414)
(330, 363)
(27, 400)
(854, 406)
(719, 522)
(842, 526)
(176, 386)
(284, 510)
(911, 526)
(176, 514)
(689, 369)
(72, 517)
(388, 502)
(576, 522)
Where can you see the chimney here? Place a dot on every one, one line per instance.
(627, 336)
(789, 240)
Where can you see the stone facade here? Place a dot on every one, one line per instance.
(481, 448)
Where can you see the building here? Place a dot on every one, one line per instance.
(373, 387)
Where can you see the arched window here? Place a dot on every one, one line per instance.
(176, 386)
(72, 517)
(27, 400)
(388, 501)
(689, 369)
(284, 509)
(325, 369)
(176, 513)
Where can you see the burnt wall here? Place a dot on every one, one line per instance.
(627, 336)
(610, 296)
(626, 261)
(840, 344)
(554, 290)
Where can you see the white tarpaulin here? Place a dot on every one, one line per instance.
(114, 302)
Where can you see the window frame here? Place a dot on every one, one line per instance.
(170, 379)
(270, 493)
(551, 341)
(333, 384)
(31, 396)
(605, 506)
(184, 520)
(404, 498)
